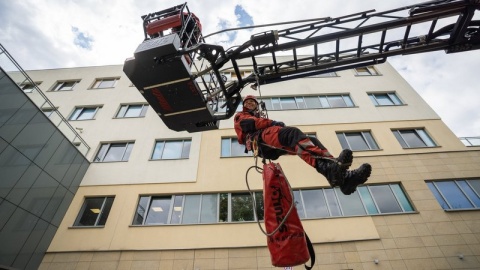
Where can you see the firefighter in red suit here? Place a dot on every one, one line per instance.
(273, 139)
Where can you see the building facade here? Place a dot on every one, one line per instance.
(153, 198)
(41, 167)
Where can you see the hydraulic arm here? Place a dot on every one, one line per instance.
(180, 74)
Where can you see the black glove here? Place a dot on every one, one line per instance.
(278, 123)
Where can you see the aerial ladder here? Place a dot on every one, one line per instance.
(180, 74)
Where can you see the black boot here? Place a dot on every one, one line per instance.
(335, 169)
(354, 178)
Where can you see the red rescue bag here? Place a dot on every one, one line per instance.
(289, 245)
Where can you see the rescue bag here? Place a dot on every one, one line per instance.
(287, 241)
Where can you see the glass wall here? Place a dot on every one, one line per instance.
(40, 171)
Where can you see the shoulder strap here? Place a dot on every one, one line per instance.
(311, 251)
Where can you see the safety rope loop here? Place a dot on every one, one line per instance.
(254, 201)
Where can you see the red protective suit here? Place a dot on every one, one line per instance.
(284, 140)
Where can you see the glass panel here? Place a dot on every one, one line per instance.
(367, 200)
(475, 185)
(288, 103)
(121, 112)
(395, 99)
(300, 103)
(407, 207)
(324, 102)
(191, 209)
(315, 205)
(452, 193)
(412, 138)
(268, 103)
(370, 140)
(173, 150)
(336, 101)
(223, 205)
(106, 83)
(332, 202)
(158, 211)
(470, 193)
(238, 150)
(126, 156)
(372, 98)
(105, 211)
(186, 149)
(141, 211)
(400, 138)
(385, 199)
(208, 213)
(276, 104)
(260, 207)
(356, 141)
(144, 110)
(90, 211)
(242, 207)
(438, 196)
(474, 141)
(348, 101)
(75, 114)
(426, 139)
(134, 111)
(158, 150)
(226, 147)
(115, 152)
(312, 102)
(298, 203)
(177, 210)
(87, 113)
(351, 204)
(343, 140)
(383, 100)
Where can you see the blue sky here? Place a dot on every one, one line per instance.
(44, 34)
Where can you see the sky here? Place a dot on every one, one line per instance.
(48, 34)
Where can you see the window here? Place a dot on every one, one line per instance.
(84, 113)
(386, 99)
(413, 138)
(324, 75)
(127, 111)
(368, 200)
(174, 149)
(110, 152)
(231, 148)
(308, 102)
(48, 111)
(105, 83)
(366, 71)
(357, 141)
(64, 85)
(457, 194)
(28, 87)
(470, 141)
(94, 212)
(198, 208)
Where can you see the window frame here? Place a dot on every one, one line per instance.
(439, 193)
(57, 87)
(404, 143)
(100, 215)
(98, 82)
(233, 140)
(82, 108)
(165, 141)
(106, 147)
(467, 141)
(363, 137)
(324, 102)
(368, 71)
(392, 97)
(28, 87)
(143, 111)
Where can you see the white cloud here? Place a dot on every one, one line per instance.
(38, 34)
